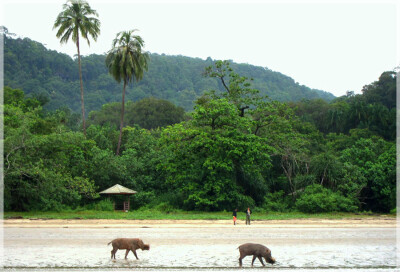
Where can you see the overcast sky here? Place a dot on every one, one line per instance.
(334, 46)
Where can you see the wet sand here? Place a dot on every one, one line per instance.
(200, 248)
(367, 244)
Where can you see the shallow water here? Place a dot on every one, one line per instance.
(177, 249)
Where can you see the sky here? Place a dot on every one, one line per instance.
(335, 46)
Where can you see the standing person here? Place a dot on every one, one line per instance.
(248, 213)
(234, 214)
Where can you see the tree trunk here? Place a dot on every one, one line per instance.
(323, 176)
(289, 171)
(80, 79)
(122, 119)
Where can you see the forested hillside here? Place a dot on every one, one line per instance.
(49, 75)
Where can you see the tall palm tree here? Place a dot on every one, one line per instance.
(78, 19)
(126, 61)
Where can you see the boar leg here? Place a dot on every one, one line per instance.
(260, 258)
(242, 255)
(240, 261)
(126, 253)
(134, 252)
(113, 252)
(252, 262)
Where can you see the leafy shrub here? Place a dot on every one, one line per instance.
(164, 207)
(104, 205)
(142, 199)
(49, 205)
(316, 199)
(175, 199)
(276, 202)
(303, 181)
(244, 201)
(258, 210)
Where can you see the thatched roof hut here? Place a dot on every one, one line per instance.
(119, 190)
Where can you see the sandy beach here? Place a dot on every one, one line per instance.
(364, 222)
(313, 245)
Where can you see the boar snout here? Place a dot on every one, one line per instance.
(146, 247)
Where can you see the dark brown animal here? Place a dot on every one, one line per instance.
(128, 244)
(258, 251)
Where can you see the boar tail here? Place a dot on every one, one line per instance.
(109, 243)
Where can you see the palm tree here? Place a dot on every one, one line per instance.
(77, 18)
(126, 61)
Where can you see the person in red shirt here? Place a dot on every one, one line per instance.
(234, 216)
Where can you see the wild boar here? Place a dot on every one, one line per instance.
(128, 244)
(256, 250)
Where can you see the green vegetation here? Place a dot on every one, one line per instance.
(316, 199)
(149, 113)
(374, 110)
(237, 147)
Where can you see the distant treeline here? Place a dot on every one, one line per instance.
(49, 75)
(236, 148)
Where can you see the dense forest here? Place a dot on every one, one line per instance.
(237, 147)
(49, 75)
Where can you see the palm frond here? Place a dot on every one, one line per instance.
(131, 60)
(77, 18)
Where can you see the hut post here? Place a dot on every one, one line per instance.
(127, 203)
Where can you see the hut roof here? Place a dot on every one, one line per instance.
(118, 190)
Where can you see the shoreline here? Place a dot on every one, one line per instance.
(374, 222)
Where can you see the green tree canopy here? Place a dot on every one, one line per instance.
(148, 113)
